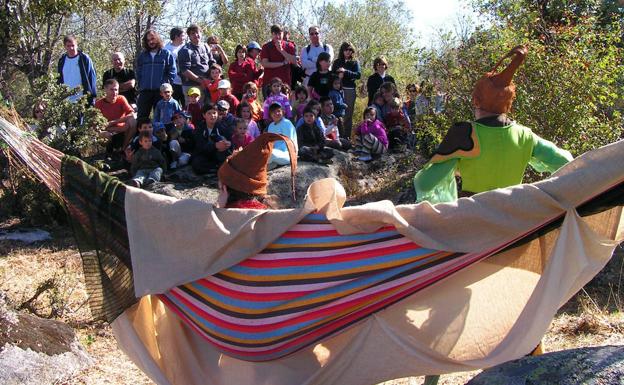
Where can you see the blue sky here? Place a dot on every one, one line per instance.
(429, 16)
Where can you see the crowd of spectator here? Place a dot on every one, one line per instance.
(181, 101)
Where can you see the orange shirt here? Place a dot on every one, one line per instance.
(115, 110)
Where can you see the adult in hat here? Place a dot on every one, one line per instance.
(243, 177)
(492, 151)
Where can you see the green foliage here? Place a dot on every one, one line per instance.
(567, 88)
(69, 127)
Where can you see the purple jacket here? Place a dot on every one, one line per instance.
(375, 128)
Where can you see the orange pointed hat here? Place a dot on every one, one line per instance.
(495, 92)
(246, 170)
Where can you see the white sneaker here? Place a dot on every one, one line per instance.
(173, 165)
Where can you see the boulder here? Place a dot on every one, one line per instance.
(37, 351)
(595, 365)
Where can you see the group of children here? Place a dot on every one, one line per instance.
(205, 134)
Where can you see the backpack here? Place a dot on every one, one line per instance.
(310, 46)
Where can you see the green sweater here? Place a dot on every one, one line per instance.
(488, 154)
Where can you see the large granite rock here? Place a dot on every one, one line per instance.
(37, 351)
(597, 365)
(184, 183)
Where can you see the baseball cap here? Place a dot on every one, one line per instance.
(224, 83)
(223, 105)
(193, 91)
(253, 45)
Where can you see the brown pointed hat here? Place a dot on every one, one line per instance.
(495, 92)
(246, 170)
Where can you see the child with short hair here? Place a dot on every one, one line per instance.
(244, 112)
(280, 125)
(194, 105)
(241, 138)
(338, 100)
(143, 125)
(166, 107)
(311, 140)
(225, 93)
(331, 126)
(276, 96)
(397, 125)
(181, 141)
(148, 163)
(370, 136)
(378, 105)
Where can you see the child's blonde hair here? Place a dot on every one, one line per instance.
(250, 86)
(166, 87)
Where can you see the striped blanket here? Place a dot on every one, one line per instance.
(306, 285)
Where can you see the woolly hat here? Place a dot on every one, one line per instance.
(496, 92)
(246, 170)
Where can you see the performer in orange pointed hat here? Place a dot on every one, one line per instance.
(491, 152)
(243, 177)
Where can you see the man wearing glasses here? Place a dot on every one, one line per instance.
(310, 52)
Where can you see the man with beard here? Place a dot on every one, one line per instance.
(155, 66)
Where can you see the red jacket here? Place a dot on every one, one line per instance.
(240, 74)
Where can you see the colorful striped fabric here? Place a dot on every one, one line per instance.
(307, 285)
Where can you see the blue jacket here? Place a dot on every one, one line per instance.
(87, 74)
(151, 73)
(340, 107)
(164, 110)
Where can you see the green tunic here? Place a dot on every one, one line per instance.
(488, 154)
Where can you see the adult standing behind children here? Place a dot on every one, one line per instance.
(76, 69)
(194, 60)
(277, 55)
(155, 66)
(380, 66)
(218, 54)
(124, 76)
(310, 53)
(241, 71)
(348, 69)
(177, 37)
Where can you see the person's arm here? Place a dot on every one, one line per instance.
(307, 64)
(547, 157)
(356, 73)
(128, 84)
(273, 64)
(236, 72)
(224, 57)
(170, 67)
(92, 80)
(184, 62)
(435, 183)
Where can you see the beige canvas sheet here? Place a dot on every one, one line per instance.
(491, 312)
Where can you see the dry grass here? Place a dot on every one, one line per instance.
(587, 320)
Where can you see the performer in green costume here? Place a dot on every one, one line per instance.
(491, 152)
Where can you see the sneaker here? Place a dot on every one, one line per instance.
(134, 183)
(149, 182)
(173, 165)
(365, 158)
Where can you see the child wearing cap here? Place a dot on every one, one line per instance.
(166, 107)
(194, 106)
(181, 141)
(226, 122)
(225, 93)
(280, 125)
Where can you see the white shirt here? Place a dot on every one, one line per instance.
(71, 76)
(174, 51)
(308, 60)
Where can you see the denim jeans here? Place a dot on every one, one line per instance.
(146, 173)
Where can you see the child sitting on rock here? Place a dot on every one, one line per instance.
(181, 141)
(282, 126)
(370, 136)
(148, 163)
(397, 125)
(312, 141)
(330, 121)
